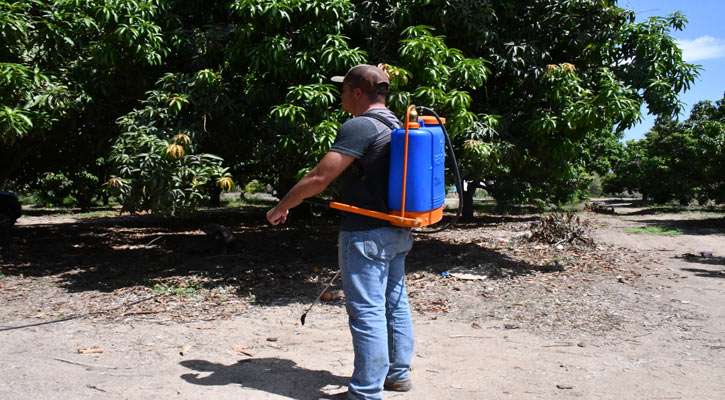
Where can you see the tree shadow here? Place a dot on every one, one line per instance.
(706, 273)
(489, 207)
(105, 254)
(44, 212)
(715, 261)
(283, 264)
(707, 261)
(621, 202)
(662, 210)
(272, 375)
(488, 220)
(700, 227)
(649, 208)
(437, 256)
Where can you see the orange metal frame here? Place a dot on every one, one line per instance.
(411, 220)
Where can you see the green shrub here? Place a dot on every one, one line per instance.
(255, 187)
(84, 188)
(53, 189)
(595, 186)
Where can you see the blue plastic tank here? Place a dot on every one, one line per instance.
(425, 182)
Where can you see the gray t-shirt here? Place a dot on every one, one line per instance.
(365, 182)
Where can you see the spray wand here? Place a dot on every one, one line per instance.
(304, 316)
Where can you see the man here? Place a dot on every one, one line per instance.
(371, 252)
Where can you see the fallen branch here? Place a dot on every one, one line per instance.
(88, 365)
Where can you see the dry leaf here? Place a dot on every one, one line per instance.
(564, 386)
(241, 350)
(184, 350)
(90, 350)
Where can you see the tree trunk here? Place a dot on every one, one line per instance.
(502, 201)
(215, 195)
(468, 192)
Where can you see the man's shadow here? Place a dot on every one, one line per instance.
(272, 375)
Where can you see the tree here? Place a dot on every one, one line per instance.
(680, 161)
(708, 126)
(273, 112)
(536, 92)
(262, 101)
(70, 68)
(567, 77)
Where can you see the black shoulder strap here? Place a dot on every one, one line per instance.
(381, 119)
(362, 175)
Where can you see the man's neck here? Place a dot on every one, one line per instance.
(372, 107)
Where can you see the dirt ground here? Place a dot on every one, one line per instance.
(138, 307)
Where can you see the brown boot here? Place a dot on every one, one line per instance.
(400, 386)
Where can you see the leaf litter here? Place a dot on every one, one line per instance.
(543, 273)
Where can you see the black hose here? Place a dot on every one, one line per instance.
(317, 202)
(456, 173)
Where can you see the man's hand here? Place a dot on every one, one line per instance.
(275, 216)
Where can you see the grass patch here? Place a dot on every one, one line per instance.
(655, 230)
(485, 206)
(707, 211)
(96, 214)
(27, 200)
(184, 291)
(248, 201)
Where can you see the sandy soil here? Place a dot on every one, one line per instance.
(639, 317)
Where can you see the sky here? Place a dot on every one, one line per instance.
(702, 42)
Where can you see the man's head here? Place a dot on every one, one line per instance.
(371, 80)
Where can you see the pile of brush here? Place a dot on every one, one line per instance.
(556, 229)
(597, 207)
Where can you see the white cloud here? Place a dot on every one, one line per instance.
(702, 48)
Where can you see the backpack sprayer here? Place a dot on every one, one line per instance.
(416, 181)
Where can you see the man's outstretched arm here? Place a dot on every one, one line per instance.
(317, 180)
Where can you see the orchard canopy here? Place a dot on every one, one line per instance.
(168, 102)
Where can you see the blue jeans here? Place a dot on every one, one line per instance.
(373, 279)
